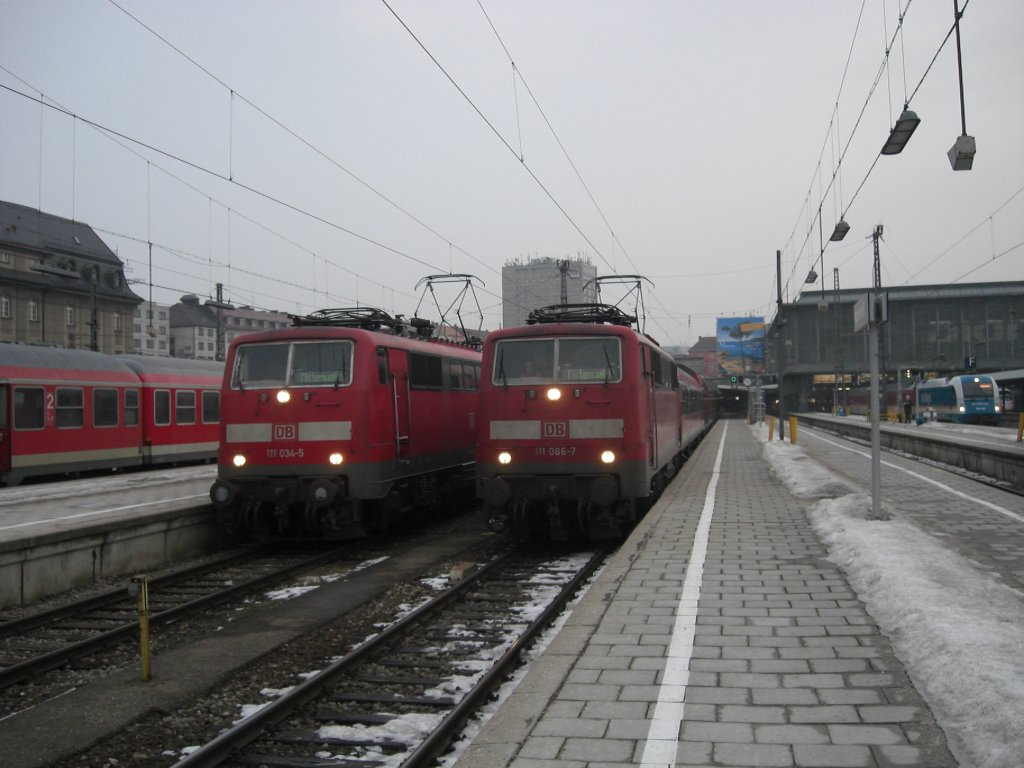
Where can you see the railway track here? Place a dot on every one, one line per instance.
(402, 696)
(37, 643)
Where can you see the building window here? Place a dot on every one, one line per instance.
(69, 314)
(33, 311)
(5, 258)
(5, 306)
(117, 321)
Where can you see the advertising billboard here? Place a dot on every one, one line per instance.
(740, 346)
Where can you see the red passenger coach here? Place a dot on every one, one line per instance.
(180, 407)
(66, 411)
(343, 424)
(583, 422)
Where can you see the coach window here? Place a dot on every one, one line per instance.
(29, 408)
(454, 374)
(131, 407)
(70, 408)
(161, 407)
(104, 407)
(470, 375)
(185, 406)
(211, 407)
(425, 372)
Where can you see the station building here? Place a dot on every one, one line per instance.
(931, 331)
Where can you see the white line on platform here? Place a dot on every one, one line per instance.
(663, 735)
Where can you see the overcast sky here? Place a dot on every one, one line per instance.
(309, 154)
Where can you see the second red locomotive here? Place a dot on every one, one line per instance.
(342, 424)
(583, 421)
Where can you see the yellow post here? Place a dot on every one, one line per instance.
(792, 429)
(771, 428)
(1020, 426)
(140, 588)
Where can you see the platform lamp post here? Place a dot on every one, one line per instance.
(780, 344)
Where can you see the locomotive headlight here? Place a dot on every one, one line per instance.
(335, 459)
(238, 460)
(554, 394)
(504, 457)
(962, 409)
(283, 396)
(608, 457)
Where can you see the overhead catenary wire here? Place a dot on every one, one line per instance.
(308, 144)
(883, 68)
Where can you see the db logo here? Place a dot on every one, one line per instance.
(554, 429)
(285, 432)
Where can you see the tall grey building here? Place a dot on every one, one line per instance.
(541, 282)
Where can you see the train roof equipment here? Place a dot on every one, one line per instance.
(365, 318)
(456, 304)
(581, 313)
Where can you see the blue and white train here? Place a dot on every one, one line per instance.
(966, 399)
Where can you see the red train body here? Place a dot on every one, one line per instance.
(579, 445)
(329, 431)
(69, 410)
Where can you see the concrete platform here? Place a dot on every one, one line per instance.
(720, 635)
(57, 536)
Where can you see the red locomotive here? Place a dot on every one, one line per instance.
(342, 424)
(583, 422)
(66, 411)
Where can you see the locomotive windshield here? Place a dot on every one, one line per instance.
(298, 364)
(978, 389)
(569, 360)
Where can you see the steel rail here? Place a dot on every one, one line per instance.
(57, 658)
(223, 746)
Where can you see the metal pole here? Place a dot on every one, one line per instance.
(960, 67)
(874, 315)
(780, 323)
(876, 437)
